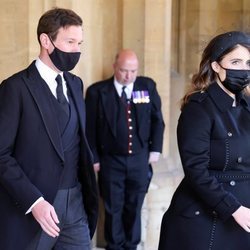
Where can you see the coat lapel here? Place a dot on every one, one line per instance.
(75, 87)
(108, 98)
(37, 87)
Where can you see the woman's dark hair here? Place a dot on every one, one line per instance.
(52, 20)
(216, 49)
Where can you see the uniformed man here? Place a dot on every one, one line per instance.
(125, 131)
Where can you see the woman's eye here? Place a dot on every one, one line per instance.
(235, 62)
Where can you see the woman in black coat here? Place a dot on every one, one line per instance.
(210, 209)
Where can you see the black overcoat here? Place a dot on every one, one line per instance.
(31, 154)
(214, 145)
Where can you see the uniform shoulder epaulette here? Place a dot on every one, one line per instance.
(198, 96)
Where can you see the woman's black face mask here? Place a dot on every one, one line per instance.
(236, 80)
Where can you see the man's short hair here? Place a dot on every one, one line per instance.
(52, 20)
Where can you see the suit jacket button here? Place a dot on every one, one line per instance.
(229, 134)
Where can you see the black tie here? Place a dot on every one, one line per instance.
(60, 96)
(124, 95)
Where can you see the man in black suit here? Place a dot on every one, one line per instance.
(48, 195)
(125, 131)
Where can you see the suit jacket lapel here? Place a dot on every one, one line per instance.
(77, 97)
(75, 86)
(37, 87)
(108, 98)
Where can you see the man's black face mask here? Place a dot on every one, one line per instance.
(64, 61)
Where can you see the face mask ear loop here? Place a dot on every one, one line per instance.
(51, 41)
(218, 77)
(218, 74)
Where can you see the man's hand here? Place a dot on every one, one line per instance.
(96, 166)
(153, 157)
(46, 216)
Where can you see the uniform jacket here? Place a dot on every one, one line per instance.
(214, 143)
(31, 155)
(102, 116)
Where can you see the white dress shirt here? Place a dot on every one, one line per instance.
(49, 76)
(128, 89)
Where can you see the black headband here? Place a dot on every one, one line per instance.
(228, 40)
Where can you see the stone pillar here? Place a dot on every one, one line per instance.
(90, 66)
(133, 29)
(14, 21)
(147, 30)
(157, 53)
(112, 33)
(36, 9)
(246, 15)
(157, 58)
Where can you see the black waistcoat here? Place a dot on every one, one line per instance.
(69, 128)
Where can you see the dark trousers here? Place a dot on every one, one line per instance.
(74, 231)
(124, 182)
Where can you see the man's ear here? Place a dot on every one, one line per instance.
(215, 66)
(44, 40)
